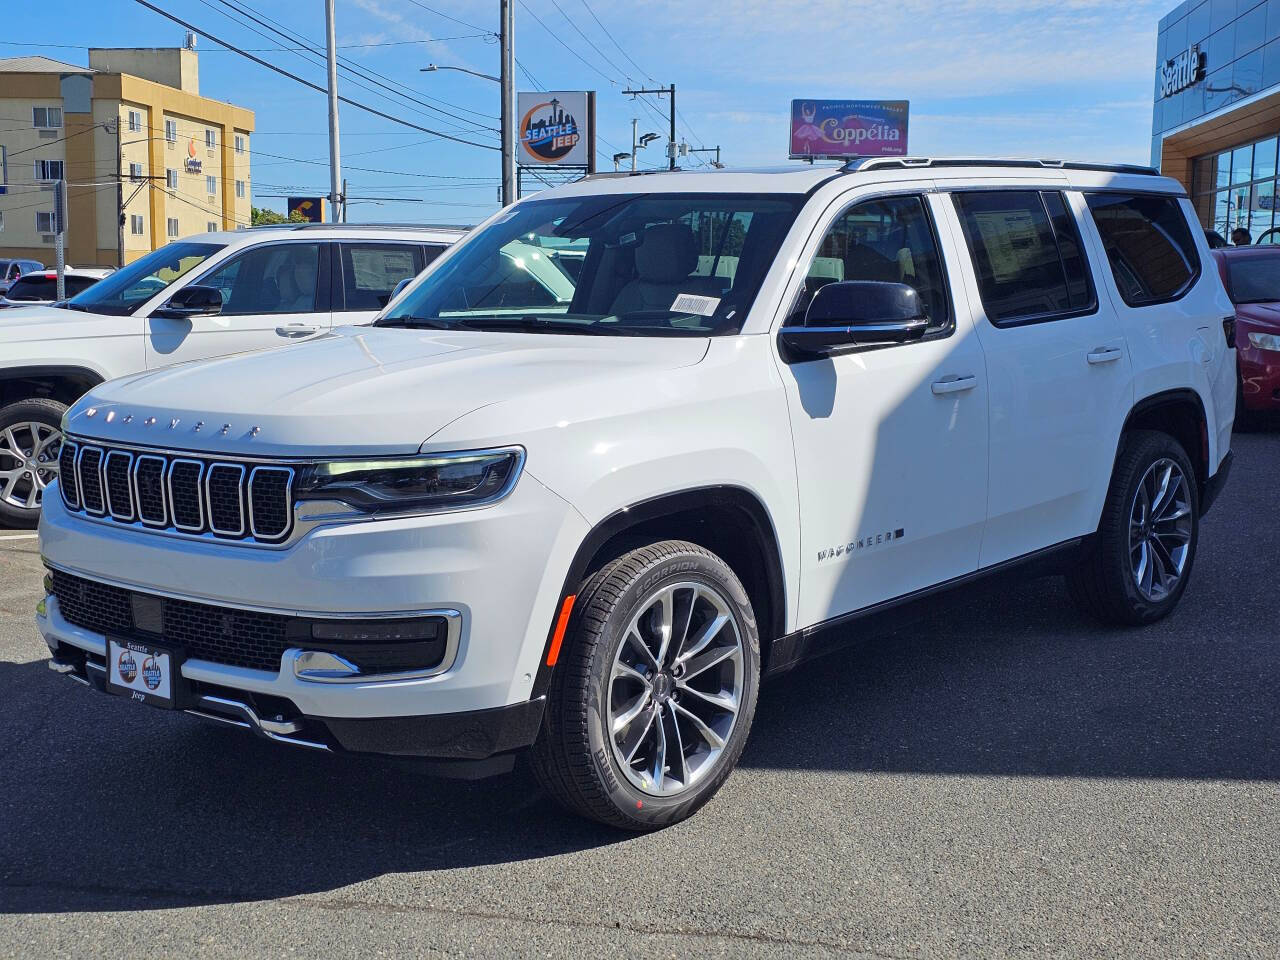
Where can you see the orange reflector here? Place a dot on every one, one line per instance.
(561, 625)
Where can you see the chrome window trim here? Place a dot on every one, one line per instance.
(289, 524)
(75, 473)
(80, 480)
(137, 499)
(186, 528)
(240, 491)
(106, 487)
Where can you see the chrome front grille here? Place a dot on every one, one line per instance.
(185, 494)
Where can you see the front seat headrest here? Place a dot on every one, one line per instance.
(667, 253)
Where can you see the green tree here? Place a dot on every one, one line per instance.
(261, 215)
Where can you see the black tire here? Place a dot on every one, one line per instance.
(1103, 583)
(39, 410)
(574, 758)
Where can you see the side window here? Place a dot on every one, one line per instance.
(1026, 254)
(1153, 256)
(370, 271)
(273, 278)
(430, 252)
(890, 239)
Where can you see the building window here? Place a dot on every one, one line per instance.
(1236, 189)
(211, 184)
(211, 227)
(240, 189)
(171, 179)
(135, 171)
(44, 221)
(171, 131)
(49, 170)
(135, 224)
(239, 144)
(135, 121)
(210, 140)
(173, 228)
(46, 118)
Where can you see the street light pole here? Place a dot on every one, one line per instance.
(634, 128)
(335, 162)
(506, 39)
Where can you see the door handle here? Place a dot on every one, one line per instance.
(1105, 355)
(953, 385)
(296, 330)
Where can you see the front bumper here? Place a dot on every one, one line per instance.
(500, 569)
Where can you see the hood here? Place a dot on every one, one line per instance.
(1264, 313)
(34, 322)
(359, 391)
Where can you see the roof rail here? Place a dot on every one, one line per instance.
(864, 164)
(617, 174)
(375, 226)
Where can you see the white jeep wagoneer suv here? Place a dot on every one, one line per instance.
(588, 522)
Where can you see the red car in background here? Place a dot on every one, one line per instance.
(1252, 278)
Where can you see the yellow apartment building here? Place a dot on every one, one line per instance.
(146, 158)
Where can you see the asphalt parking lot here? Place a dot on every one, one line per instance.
(1001, 779)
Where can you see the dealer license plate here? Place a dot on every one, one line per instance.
(141, 671)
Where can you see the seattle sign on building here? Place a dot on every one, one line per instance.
(1181, 71)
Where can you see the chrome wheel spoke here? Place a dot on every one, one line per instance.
(726, 701)
(705, 732)
(1161, 526)
(704, 662)
(636, 736)
(624, 671)
(677, 765)
(624, 719)
(1142, 566)
(706, 633)
(8, 480)
(666, 623)
(635, 640)
(658, 772)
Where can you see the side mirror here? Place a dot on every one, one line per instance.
(399, 286)
(192, 301)
(855, 313)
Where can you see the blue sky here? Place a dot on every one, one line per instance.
(1061, 78)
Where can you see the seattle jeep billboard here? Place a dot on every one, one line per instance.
(848, 128)
(553, 129)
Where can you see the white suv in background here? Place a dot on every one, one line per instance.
(774, 402)
(205, 296)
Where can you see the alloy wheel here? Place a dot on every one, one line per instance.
(675, 689)
(1160, 526)
(28, 462)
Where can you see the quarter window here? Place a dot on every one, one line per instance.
(1153, 257)
(1026, 254)
(273, 278)
(890, 239)
(371, 271)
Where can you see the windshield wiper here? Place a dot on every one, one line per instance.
(535, 324)
(433, 323)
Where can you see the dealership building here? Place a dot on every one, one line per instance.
(146, 158)
(1217, 110)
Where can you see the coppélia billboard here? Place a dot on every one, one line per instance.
(848, 128)
(554, 129)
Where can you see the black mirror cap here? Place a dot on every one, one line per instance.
(852, 314)
(193, 301)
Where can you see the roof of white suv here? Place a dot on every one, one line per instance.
(426, 233)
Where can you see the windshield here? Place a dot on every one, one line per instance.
(129, 287)
(667, 264)
(1255, 279)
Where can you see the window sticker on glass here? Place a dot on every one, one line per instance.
(694, 304)
(1012, 242)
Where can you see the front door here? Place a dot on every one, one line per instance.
(890, 442)
(273, 294)
(1058, 366)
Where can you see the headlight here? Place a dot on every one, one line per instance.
(424, 484)
(1265, 341)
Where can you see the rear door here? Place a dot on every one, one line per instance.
(1059, 372)
(272, 294)
(367, 272)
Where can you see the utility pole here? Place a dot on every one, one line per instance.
(507, 75)
(121, 216)
(671, 143)
(716, 150)
(335, 159)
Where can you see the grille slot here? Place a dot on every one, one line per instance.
(238, 638)
(89, 473)
(181, 493)
(184, 494)
(269, 497)
(148, 489)
(222, 488)
(119, 491)
(67, 481)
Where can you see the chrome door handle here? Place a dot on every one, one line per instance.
(296, 330)
(1105, 355)
(953, 385)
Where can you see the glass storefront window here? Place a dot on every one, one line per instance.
(1264, 160)
(1224, 169)
(1262, 207)
(1242, 164)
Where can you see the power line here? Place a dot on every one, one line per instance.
(307, 83)
(615, 42)
(555, 36)
(341, 46)
(441, 13)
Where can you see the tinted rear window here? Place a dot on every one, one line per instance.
(1026, 254)
(1149, 245)
(40, 287)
